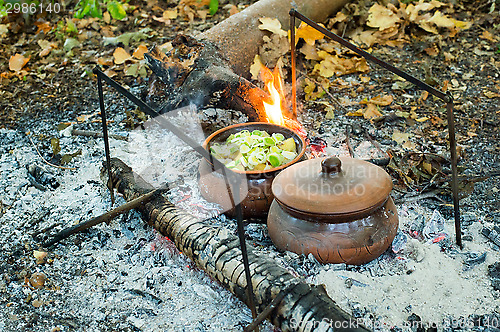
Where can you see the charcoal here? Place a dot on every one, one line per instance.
(492, 234)
(41, 178)
(494, 273)
(399, 242)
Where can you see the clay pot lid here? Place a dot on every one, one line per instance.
(332, 186)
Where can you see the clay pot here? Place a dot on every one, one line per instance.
(255, 190)
(337, 209)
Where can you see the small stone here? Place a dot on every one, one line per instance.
(37, 303)
(38, 279)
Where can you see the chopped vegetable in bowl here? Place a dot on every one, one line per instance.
(255, 151)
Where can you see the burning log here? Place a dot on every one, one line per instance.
(217, 252)
(211, 70)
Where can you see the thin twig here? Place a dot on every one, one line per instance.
(43, 159)
(96, 134)
(106, 217)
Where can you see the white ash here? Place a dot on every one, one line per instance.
(125, 276)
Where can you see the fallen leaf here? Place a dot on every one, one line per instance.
(310, 52)
(46, 47)
(127, 37)
(70, 43)
(400, 137)
(139, 52)
(255, 67)
(85, 117)
(379, 100)
(42, 26)
(167, 47)
(382, 18)
(491, 94)
(488, 36)
(105, 62)
(69, 156)
(273, 25)
(170, 14)
(136, 69)
(4, 29)
(54, 143)
(335, 65)
(17, 62)
(308, 33)
(371, 111)
(121, 55)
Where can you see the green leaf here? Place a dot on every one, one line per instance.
(95, 9)
(68, 156)
(54, 143)
(116, 10)
(84, 9)
(213, 7)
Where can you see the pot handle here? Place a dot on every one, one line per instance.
(331, 166)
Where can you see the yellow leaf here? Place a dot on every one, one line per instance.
(422, 119)
(488, 36)
(379, 100)
(491, 94)
(382, 18)
(121, 55)
(17, 62)
(357, 113)
(170, 14)
(255, 67)
(371, 111)
(400, 137)
(139, 52)
(308, 33)
(273, 25)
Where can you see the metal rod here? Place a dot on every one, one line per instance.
(447, 98)
(162, 121)
(229, 175)
(100, 219)
(370, 57)
(270, 307)
(105, 136)
(294, 70)
(454, 172)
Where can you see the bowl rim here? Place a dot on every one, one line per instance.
(299, 156)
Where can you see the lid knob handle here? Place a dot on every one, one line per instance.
(331, 165)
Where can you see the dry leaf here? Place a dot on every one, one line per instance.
(335, 65)
(255, 67)
(310, 52)
(121, 55)
(382, 18)
(491, 94)
(105, 62)
(46, 46)
(170, 14)
(488, 36)
(139, 52)
(371, 111)
(42, 26)
(106, 17)
(308, 33)
(400, 137)
(17, 62)
(273, 25)
(379, 100)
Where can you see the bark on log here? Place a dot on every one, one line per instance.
(239, 37)
(222, 57)
(305, 308)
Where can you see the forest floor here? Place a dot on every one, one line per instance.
(47, 86)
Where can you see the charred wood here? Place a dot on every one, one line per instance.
(217, 252)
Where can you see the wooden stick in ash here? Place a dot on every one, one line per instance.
(106, 217)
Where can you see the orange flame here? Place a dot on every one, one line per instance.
(274, 110)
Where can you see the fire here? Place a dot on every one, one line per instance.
(275, 109)
(278, 106)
